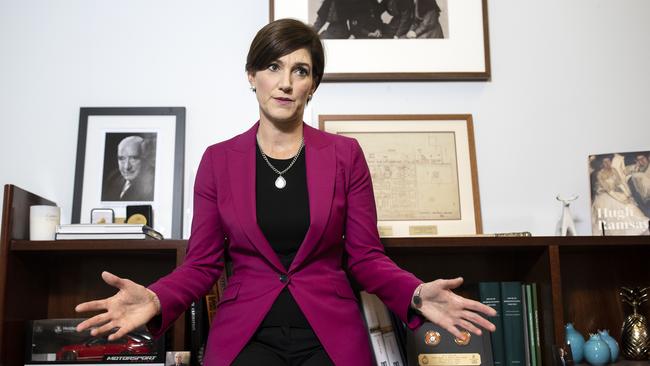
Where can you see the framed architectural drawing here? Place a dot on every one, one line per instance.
(397, 39)
(423, 169)
(131, 156)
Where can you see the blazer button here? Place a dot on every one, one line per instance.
(284, 278)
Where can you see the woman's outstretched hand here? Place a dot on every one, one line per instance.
(453, 312)
(133, 306)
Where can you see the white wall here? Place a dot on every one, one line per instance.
(569, 79)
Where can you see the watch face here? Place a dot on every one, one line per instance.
(417, 301)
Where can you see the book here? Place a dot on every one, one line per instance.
(378, 348)
(524, 308)
(101, 228)
(490, 295)
(491, 235)
(392, 349)
(198, 331)
(105, 236)
(380, 325)
(369, 313)
(105, 231)
(620, 193)
(513, 326)
(531, 324)
(538, 342)
(399, 329)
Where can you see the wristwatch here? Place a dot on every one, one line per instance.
(417, 299)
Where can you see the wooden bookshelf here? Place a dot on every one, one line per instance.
(577, 277)
(46, 279)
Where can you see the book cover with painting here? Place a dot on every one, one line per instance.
(620, 193)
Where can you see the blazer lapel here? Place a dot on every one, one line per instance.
(320, 160)
(241, 166)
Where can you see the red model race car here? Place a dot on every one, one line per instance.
(95, 348)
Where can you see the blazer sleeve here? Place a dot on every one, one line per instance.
(367, 260)
(204, 259)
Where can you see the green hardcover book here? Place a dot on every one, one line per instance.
(524, 311)
(538, 342)
(490, 295)
(531, 324)
(513, 323)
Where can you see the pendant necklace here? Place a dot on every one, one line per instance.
(280, 182)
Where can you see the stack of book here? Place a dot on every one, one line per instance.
(105, 231)
(517, 338)
(380, 327)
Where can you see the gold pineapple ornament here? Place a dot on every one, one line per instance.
(634, 335)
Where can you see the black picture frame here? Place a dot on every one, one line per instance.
(100, 130)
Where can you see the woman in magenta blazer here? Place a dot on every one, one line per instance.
(287, 301)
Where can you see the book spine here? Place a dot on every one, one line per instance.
(490, 295)
(531, 324)
(195, 310)
(538, 342)
(524, 309)
(369, 312)
(513, 323)
(392, 350)
(378, 347)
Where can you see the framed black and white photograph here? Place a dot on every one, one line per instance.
(397, 39)
(131, 156)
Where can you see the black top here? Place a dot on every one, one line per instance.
(283, 217)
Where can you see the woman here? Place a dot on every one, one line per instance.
(291, 201)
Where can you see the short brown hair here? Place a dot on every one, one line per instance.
(281, 37)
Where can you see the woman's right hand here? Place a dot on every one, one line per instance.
(133, 306)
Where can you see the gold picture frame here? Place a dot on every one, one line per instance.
(423, 169)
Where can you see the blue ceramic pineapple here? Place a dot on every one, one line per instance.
(574, 339)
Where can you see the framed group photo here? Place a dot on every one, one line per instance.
(131, 156)
(423, 169)
(397, 39)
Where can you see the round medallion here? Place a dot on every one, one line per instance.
(280, 182)
(137, 219)
(465, 340)
(432, 338)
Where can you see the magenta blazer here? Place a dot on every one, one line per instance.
(343, 220)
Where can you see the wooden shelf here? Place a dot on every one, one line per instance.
(512, 241)
(98, 245)
(46, 279)
(577, 277)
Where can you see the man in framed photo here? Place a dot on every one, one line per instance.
(133, 178)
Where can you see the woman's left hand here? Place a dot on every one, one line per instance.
(453, 312)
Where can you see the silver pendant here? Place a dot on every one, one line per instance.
(280, 182)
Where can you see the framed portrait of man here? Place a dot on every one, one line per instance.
(131, 156)
(129, 172)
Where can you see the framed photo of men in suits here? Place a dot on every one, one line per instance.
(397, 39)
(131, 156)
